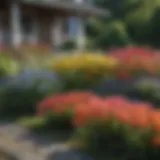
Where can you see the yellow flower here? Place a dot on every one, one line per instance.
(91, 64)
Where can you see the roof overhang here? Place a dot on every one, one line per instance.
(72, 7)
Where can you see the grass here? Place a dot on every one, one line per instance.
(32, 122)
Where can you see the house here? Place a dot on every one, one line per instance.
(43, 21)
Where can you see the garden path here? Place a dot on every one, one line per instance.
(26, 145)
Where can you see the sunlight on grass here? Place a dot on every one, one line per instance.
(32, 122)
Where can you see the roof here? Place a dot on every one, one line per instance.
(68, 5)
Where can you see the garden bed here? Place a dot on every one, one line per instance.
(74, 100)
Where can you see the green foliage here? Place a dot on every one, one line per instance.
(147, 90)
(113, 34)
(32, 122)
(154, 29)
(49, 121)
(85, 70)
(7, 66)
(17, 102)
(19, 96)
(140, 18)
(110, 140)
(118, 9)
(58, 121)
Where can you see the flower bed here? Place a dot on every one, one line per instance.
(102, 72)
(57, 109)
(84, 71)
(20, 93)
(135, 61)
(106, 125)
(124, 127)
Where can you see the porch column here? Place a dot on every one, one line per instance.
(80, 36)
(56, 32)
(15, 24)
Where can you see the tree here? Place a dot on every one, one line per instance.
(118, 8)
(140, 18)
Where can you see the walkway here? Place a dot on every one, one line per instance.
(26, 145)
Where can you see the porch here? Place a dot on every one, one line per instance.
(22, 23)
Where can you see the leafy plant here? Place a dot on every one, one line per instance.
(57, 109)
(85, 70)
(8, 66)
(21, 93)
(113, 34)
(147, 89)
(116, 124)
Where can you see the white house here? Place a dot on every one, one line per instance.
(43, 21)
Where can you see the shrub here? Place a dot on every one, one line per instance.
(147, 89)
(111, 34)
(21, 93)
(126, 128)
(136, 61)
(57, 109)
(107, 125)
(33, 122)
(84, 71)
(8, 66)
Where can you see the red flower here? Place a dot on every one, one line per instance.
(123, 110)
(61, 102)
(140, 116)
(135, 59)
(155, 120)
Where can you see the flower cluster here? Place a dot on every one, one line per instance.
(112, 107)
(136, 116)
(136, 60)
(86, 66)
(25, 89)
(63, 101)
(120, 63)
(88, 109)
(57, 110)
